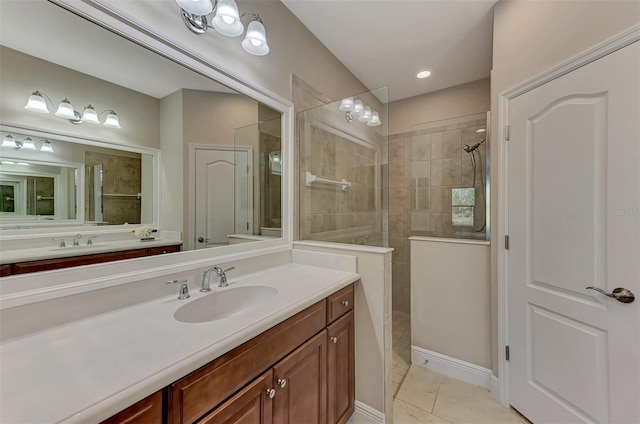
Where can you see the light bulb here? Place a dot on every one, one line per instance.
(65, 110)
(358, 109)
(346, 105)
(47, 147)
(36, 103)
(366, 114)
(28, 144)
(227, 19)
(112, 120)
(196, 7)
(90, 116)
(255, 42)
(8, 141)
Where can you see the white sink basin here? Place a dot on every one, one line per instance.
(225, 303)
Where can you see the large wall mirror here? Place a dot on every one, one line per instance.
(191, 156)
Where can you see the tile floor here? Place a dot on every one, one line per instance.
(425, 396)
(401, 348)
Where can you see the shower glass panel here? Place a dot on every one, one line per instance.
(342, 177)
(450, 178)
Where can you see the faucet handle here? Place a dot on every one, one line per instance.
(62, 242)
(230, 269)
(184, 288)
(89, 241)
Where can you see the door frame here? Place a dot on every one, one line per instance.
(192, 183)
(592, 54)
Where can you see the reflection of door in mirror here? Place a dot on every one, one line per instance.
(221, 207)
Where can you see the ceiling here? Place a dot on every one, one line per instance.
(386, 42)
(93, 50)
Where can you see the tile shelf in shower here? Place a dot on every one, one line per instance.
(310, 179)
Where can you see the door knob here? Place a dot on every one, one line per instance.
(620, 294)
(202, 240)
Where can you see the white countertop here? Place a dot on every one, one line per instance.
(52, 252)
(90, 369)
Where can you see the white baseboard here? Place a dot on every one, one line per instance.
(456, 368)
(364, 414)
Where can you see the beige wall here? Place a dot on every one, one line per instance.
(450, 300)
(171, 160)
(293, 49)
(522, 50)
(22, 74)
(465, 99)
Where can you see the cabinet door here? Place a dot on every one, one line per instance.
(341, 372)
(252, 405)
(301, 384)
(147, 411)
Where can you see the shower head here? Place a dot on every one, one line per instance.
(468, 149)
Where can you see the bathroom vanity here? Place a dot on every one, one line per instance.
(309, 378)
(277, 345)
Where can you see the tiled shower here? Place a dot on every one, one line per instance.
(429, 170)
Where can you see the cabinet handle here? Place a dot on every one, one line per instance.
(334, 340)
(271, 393)
(345, 303)
(282, 382)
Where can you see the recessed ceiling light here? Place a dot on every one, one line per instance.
(481, 130)
(423, 74)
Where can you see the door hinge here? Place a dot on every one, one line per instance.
(506, 242)
(506, 352)
(247, 226)
(507, 132)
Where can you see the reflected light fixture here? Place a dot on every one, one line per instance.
(481, 130)
(357, 109)
(227, 21)
(38, 103)
(26, 144)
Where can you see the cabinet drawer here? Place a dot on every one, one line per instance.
(152, 251)
(147, 411)
(339, 303)
(193, 396)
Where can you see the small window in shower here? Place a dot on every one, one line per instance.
(462, 203)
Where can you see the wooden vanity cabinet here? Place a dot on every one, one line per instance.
(147, 411)
(71, 261)
(341, 370)
(301, 384)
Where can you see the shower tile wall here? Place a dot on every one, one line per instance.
(424, 166)
(121, 183)
(326, 211)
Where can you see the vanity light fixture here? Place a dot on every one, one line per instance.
(357, 109)
(481, 130)
(26, 144)
(227, 21)
(38, 103)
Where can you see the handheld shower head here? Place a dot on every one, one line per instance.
(468, 149)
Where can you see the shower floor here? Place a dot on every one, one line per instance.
(401, 322)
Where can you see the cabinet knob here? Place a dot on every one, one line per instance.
(282, 382)
(345, 303)
(334, 340)
(271, 393)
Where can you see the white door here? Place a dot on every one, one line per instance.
(574, 222)
(223, 195)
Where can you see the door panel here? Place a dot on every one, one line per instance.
(222, 190)
(574, 221)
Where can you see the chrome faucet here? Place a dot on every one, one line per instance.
(206, 276)
(76, 240)
(184, 288)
